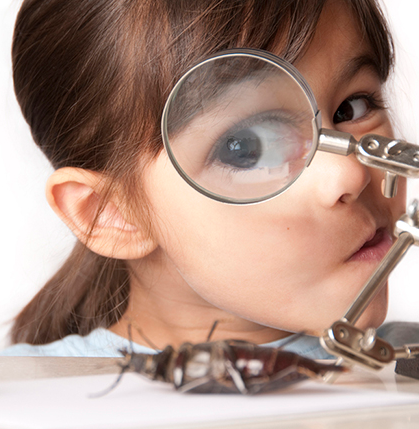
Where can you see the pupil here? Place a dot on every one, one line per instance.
(344, 113)
(233, 144)
(241, 150)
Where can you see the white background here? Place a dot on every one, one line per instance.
(33, 240)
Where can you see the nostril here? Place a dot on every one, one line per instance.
(346, 198)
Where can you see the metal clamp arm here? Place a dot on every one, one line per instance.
(395, 157)
(354, 345)
(373, 285)
(408, 351)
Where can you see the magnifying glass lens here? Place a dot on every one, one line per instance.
(239, 128)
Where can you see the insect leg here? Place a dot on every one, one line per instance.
(112, 386)
(142, 334)
(193, 384)
(230, 366)
(130, 338)
(236, 377)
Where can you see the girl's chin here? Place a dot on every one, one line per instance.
(374, 321)
(375, 314)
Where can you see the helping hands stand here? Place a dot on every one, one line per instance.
(355, 346)
(349, 343)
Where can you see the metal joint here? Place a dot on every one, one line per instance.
(336, 142)
(396, 156)
(356, 346)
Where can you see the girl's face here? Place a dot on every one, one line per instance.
(296, 262)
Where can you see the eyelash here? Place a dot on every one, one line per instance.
(374, 103)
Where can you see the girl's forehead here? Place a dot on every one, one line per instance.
(338, 31)
(344, 28)
(336, 37)
(338, 45)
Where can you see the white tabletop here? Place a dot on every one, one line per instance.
(14, 370)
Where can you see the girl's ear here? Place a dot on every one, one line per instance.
(75, 196)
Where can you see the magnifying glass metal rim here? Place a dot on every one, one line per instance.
(272, 59)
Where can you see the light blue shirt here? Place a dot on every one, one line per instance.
(104, 343)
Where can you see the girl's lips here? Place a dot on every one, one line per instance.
(374, 249)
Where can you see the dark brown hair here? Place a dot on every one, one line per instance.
(92, 77)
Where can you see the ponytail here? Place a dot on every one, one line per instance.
(88, 292)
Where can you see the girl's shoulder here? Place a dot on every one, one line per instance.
(399, 333)
(99, 343)
(104, 343)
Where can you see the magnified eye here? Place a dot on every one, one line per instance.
(241, 150)
(351, 110)
(269, 143)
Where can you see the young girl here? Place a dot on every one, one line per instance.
(92, 78)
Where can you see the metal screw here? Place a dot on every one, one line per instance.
(393, 148)
(383, 351)
(412, 211)
(343, 333)
(373, 144)
(367, 342)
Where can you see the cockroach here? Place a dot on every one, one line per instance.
(225, 366)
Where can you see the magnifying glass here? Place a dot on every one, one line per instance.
(241, 127)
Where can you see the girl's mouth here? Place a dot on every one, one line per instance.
(374, 249)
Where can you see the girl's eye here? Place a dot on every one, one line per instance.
(351, 110)
(268, 144)
(358, 107)
(241, 150)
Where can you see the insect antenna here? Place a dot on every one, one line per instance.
(143, 336)
(212, 330)
(215, 324)
(146, 339)
(130, 339)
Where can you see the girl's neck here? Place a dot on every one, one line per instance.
(166, 310)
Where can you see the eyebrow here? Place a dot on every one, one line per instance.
(356, 65)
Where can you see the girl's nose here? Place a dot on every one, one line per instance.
(338, 179)
(341, 178)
